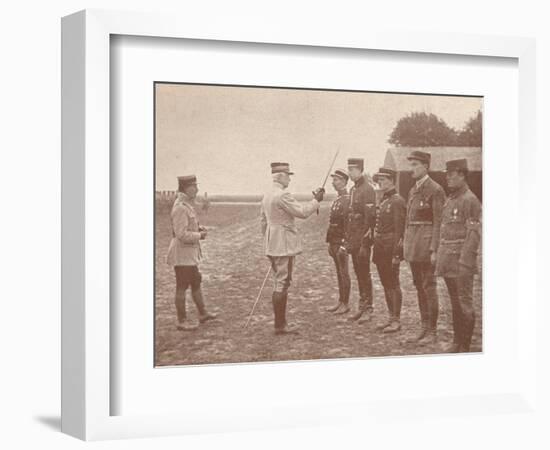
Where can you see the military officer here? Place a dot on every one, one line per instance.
(388, 245)
(422, 225)
(184, 252)
(359, 235)
(281, 238)
(457, 252)
(336, 234)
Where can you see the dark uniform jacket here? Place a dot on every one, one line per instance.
(460, 235)
(362, 215)
(338, 219)
(390, 225)
(424, 208)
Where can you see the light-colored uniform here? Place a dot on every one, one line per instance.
(282, 240)
(184, 249)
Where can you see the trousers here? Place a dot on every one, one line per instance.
(426, 287)
(461, 295)
(341, 263)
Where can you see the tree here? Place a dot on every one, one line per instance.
(419, 129)
(471, 134)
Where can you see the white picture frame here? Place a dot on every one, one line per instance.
(86, 284)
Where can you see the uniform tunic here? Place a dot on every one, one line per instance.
(278, 211)
(362, 214)
(424, 208)
(338, 219)
(460, 234)
(390, 225)
(184, 249)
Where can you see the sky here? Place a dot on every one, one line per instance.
(228, 136)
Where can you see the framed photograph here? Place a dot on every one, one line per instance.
(251, 215)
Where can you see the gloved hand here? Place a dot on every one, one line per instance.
(342, 251)
(318, 194)
(203, 232)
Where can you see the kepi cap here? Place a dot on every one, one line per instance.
(185, 181)
(420, 156)
(384, 172)
(456, 164)
(340, 173)
(281, 167)
(356, 162)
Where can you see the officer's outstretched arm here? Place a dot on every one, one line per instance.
(297, 209)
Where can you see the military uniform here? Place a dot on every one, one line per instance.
(184, 253)
(361, 221)
(336, 235)
(388, 248)
(457, 256)
(422, 226)
(282, 241)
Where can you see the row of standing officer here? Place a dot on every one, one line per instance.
(436, 235)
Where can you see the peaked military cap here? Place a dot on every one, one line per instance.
(384, 172)
(356, 162)
(340, 173)
(281, 167)
(420, 156)
(456, 164)
(185, 181)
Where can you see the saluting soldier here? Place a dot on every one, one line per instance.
(282, 240)
(359, 235)
(388, 245)
(184, 252)
(336, 235)
(421, 240)
(457, 252)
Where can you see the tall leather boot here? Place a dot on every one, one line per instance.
(281, 326)
(467, 336)
(395, 324)
(344, 300)
(276, 299)
(421, 333)
(388, 294)
(204, 315)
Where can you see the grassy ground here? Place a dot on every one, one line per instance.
(233, 270)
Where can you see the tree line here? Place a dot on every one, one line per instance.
(420, 129)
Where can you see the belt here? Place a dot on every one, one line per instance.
(389, 233)
(420, 222)
(452, 241)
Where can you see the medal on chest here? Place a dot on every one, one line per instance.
(455, 213)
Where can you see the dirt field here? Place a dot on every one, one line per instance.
(233, 270)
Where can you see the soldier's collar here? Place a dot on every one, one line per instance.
(459, 191)
(360, 180)
(390, 192)
(183, 198)
(421, 181)
(342, 192)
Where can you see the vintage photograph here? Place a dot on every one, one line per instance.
(307, 224)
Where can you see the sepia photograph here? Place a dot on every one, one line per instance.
(313, 224)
